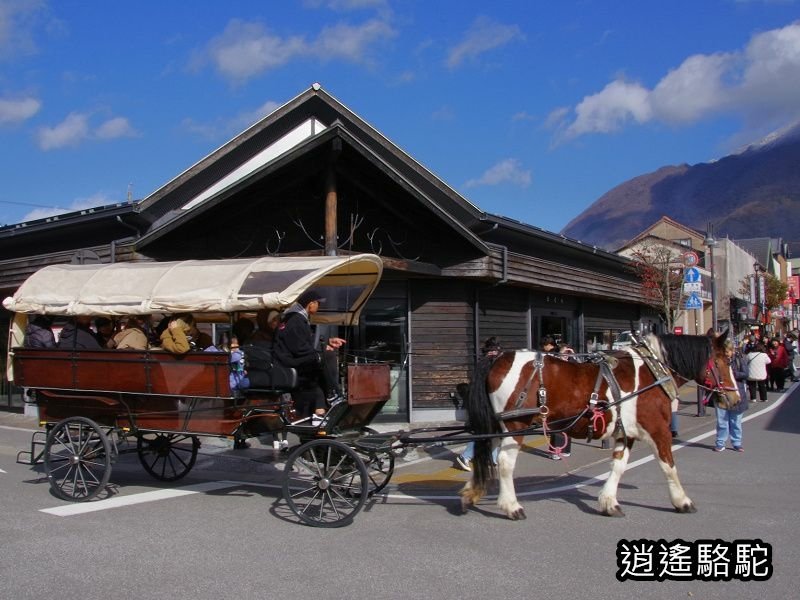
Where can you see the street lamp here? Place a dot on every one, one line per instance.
(712, 243)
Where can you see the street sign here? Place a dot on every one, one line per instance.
(693, 302)
(678, 330)
(691, 275)
(695, 287)
(690, 259)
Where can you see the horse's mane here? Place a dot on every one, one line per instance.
(687, 355)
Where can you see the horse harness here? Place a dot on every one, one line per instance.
(596, 408)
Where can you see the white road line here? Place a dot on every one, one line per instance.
(119, 501)
(17, 428)
(1, 471)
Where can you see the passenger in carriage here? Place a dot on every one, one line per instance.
(295, 347)
(78, 335)
(104, 331)
(39, 333)
(133, 336)
(199, 340)
(242, 331)
(268, 321)
(175, 337)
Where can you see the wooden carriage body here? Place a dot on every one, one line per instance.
(159, 391)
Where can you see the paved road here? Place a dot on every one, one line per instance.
(230, 534)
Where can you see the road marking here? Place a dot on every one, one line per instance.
(17, 428)
(118, 501)
(1, 471)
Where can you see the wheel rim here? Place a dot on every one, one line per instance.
(325, 483)
(77, 459)
(167, 456)
(380, 467)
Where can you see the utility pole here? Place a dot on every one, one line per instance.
(712, 243)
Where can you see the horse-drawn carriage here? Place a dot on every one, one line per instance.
(93, 402)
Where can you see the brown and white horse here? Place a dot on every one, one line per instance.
(625, 395)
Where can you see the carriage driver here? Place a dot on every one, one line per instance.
(295, 347)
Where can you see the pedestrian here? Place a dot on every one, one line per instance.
(491, 349)
(757, 361)
(779, 362)
(729, 418)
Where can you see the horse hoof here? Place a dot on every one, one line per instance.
(614, 511)
(518, 515)
(686, 508)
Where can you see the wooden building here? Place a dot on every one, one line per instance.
(313, 177)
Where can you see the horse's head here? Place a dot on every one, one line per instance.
(704, 359)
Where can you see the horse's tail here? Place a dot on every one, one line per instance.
(481, 420)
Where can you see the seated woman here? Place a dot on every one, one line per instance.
(175, 338)
(133, 336)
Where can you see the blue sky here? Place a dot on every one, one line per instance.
(531, 109)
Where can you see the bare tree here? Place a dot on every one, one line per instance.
(660, 269)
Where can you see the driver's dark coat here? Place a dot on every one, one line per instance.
(294, 342)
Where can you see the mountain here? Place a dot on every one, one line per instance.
(752, 193)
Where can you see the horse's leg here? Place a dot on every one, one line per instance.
(662, 448)
(619, 462)
(507, 498)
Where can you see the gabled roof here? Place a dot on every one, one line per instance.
(761, 248)
(300, 126)
(664, 219)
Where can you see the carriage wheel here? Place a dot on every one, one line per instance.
(165, 456)
(325, 483)
(380, 467)
(77, 459)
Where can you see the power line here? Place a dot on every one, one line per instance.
(33, 205)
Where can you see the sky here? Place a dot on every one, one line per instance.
(530, 109)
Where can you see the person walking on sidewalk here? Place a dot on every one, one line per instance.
(757, 361)
(779, 362)
(729, 418)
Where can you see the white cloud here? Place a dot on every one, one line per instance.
(611, 108)
(484, 35)
(98, 199)
(507, 170)
(351, 43)
(115, 128)
(758, 83)
(70, 132)
(18, 109)
(75, 129)
(230, 126)
(17, 20)
(246, 49)
(346, 5)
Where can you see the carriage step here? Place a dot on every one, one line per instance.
(34, 456)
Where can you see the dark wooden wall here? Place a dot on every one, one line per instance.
(443, 350)
(503, 312)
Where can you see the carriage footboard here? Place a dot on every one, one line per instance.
(34, 456)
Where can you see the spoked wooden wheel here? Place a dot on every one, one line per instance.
(380, 466)
(325, 483)
(77, 459)
(167, 456)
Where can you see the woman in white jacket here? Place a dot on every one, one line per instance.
(757, 361)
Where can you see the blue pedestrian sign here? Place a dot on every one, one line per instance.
(691, 275)
(693, 301)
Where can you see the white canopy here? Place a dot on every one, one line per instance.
(245, 284)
